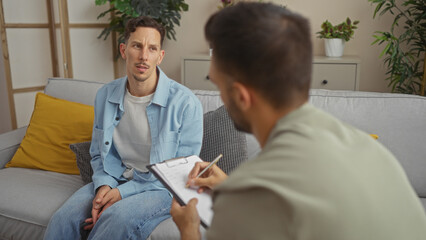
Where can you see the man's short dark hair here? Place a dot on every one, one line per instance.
(143, 21)
(263, 46)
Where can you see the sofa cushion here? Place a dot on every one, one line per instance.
(398, 120)
(167, 230)
(54, 125)
(80, 91)
(29, 197)
(82, 154)
(221, 137)
(210, 101)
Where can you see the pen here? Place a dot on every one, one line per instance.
(208, 166)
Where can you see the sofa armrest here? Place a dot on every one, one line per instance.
(9, 143)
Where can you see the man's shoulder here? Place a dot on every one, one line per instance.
(108, 87)
(114, 83)
(178, 87)
(180, 92)
(170, 91)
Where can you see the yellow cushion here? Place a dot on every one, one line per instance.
(374, 136)
(55, 124)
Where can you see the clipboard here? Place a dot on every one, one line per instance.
(173, 174)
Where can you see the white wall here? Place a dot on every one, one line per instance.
(190, 41)
(190, 36)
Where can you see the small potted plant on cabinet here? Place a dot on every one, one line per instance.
(335, 36)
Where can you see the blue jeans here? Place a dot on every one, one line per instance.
(134, 217)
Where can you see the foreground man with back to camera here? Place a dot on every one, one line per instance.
(140, 119)
(316, 177)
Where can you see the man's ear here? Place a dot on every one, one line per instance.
(242, 96)
(123, 50)
(160, 58)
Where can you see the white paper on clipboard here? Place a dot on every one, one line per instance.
(173, 174)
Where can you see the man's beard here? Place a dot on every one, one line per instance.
(138, 79)
(240, 123)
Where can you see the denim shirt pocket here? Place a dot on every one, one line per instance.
(169, 142)
(97, 140)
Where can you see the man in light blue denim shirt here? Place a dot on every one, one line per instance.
(140, 119)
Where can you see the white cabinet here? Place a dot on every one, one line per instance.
(336, 73)
(327, 73)
(195, 72)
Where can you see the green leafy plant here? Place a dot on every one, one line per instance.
(344, 30)
(405, 44)
(166, 12)
(225, 3)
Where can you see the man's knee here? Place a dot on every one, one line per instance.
(115, 213)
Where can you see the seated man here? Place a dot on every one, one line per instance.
(140, 119)
(316, 177)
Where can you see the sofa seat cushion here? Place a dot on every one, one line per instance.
(28, 199)
(167, 230)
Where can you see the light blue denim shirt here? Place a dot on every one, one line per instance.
(175, 119)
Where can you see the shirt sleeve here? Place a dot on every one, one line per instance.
(248, 214)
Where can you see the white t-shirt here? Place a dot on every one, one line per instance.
(132, 136)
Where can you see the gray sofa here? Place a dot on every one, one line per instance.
(29, 197)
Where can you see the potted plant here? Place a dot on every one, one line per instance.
(166, 12)
(405, 50)
(335, 36)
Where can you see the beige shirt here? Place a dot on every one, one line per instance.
(318, 178)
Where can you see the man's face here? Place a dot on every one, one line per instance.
(224, 83)
(142, 53)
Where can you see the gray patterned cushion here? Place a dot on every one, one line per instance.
(83, 157)
(220, 136)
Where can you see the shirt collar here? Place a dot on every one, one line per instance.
(162, 92)
(160, 96)
(293, 116)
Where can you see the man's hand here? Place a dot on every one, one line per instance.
(104, 199)
(210, 179)
(187, 219)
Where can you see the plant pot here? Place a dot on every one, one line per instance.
(334, 47)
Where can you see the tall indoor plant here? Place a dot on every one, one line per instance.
(335, 36)
(166, 12)
(405, 44)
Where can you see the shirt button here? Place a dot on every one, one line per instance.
(117, 118)
(106, 143)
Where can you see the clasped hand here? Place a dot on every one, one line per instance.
(105, 198)
(186, 217)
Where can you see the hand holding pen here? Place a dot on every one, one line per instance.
(206, 175)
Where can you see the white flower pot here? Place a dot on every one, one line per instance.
(334, 47)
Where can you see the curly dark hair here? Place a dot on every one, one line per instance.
(143, 21)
